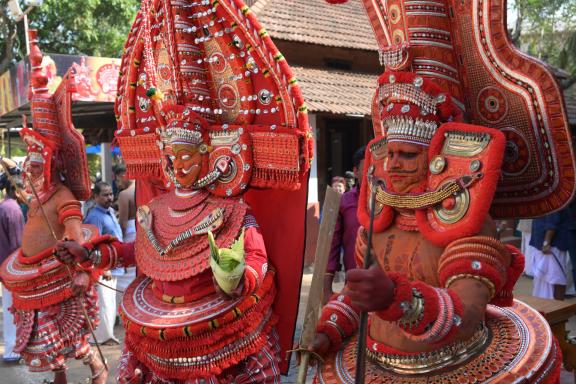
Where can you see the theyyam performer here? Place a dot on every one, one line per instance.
(213, 126)
(439, 290)
(54, 305)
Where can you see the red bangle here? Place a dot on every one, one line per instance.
(341, 311)
(402, 298)
(472, 267)
(332, 331)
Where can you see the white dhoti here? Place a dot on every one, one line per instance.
(549, 270)
(107, 310)
(8, 326)
(130, 233)
(528, 252)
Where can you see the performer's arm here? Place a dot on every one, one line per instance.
(69, 214)
(102, 253)
(256, 258)
(123, 210)
(473, 271)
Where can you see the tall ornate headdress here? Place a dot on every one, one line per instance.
(53, 140)
(465, 49)
(411, 108)
(214, 63)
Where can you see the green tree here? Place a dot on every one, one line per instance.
(87, 27)
(547, 29)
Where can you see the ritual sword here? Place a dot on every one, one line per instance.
(316, 294)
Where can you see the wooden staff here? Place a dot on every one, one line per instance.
(361, 351)
(316, 294)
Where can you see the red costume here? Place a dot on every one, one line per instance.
(51, 324)
(447, 312)
(208, 109)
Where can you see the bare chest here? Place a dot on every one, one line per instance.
(408, 253)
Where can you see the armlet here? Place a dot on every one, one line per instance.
(484, 259)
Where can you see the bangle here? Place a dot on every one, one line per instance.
(95, 257)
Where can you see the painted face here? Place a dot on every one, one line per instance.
(36, 170)
(405, 165)
(186, 163)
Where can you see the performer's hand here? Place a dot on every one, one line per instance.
(321, 344)
(80, 283)
(70, 252)
(370, 289)
(144, 216)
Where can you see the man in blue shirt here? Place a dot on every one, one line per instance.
(104, 217)
(552, 236)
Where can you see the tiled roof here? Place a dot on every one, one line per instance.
(351, 93)
(336, 92)
(317, 22)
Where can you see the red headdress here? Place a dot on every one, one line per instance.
(209, 70)
(53, 140)
(464, 48)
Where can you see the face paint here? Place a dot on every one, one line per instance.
(405, 165)
(186, 162)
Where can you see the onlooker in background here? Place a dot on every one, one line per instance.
(525, 227)
(346, 228)
(127, 219)
(350, 180)
(339, 184)
(104, 217)
(11, 227)
(551, 238)
(126, 204)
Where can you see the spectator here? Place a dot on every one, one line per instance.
(346, 228)
(104, 218)
(127, 219)
(339, 184)
(11, 227)
(525, 227)
(350, 180)
(551, 238)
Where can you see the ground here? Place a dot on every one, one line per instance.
(18, 374)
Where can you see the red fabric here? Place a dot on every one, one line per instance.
(281, 216)
(255, 251)
(481, 192)
(505, 297)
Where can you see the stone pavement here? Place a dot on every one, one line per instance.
(14, 373)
